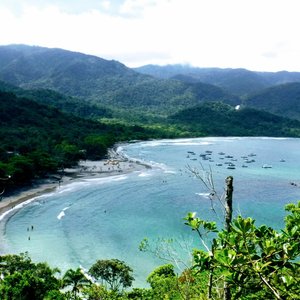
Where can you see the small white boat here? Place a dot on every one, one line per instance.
(267, 166)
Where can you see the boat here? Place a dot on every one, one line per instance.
(251, 155)
(231, 167)
(265, 166)
(249, 161)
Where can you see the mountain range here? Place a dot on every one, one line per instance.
(240, 82)
(89, 86)
(100, 82)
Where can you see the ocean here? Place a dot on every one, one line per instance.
(109, 217)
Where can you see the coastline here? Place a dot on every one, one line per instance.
(116, 165)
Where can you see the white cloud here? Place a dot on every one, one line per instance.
(106, 4)
(135, 7)
(254, 34)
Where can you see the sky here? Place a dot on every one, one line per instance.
(259, 35)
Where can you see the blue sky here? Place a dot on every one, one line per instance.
(258, 35)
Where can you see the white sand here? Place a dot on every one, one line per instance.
(85, 169)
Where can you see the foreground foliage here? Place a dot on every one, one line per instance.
(115, 273)
(256, 262)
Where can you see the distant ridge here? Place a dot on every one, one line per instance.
(112, 89)
(237, 81)
(100, 81)
(282, 100)
(64, 103)
(219, 119)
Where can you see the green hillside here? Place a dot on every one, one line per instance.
(64, 103)
(219, 119)
(37, 139)
(283, 100)
(98, 81)
(240, 82)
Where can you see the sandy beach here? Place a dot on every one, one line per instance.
(84, 170)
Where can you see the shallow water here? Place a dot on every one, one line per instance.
(108, 217)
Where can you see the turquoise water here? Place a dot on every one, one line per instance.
(108, 218)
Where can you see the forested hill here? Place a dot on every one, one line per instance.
(64, 103)
(236, 81)
(219, 119)
(96, 80)
(37, 139)
(282, 100)
(89, 86)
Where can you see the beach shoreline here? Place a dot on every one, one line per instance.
(86, 169)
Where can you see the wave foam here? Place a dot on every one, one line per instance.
(144, 174)
(61, 215)
(17, 207)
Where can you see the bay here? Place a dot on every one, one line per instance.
(109, 217)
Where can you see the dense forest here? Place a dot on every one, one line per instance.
(219, 119)
(100, 82)
(91, 86)
(37, 140)
(283, 100)
(240, 82)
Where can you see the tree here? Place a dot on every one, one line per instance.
(203, 228)
(96, 292)
(96, 145)
(23, 279)
(76, 279)
(250, 260)
(69, 153)
(256, 262)
(163, 282)
(114, 272)
(21, 168)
